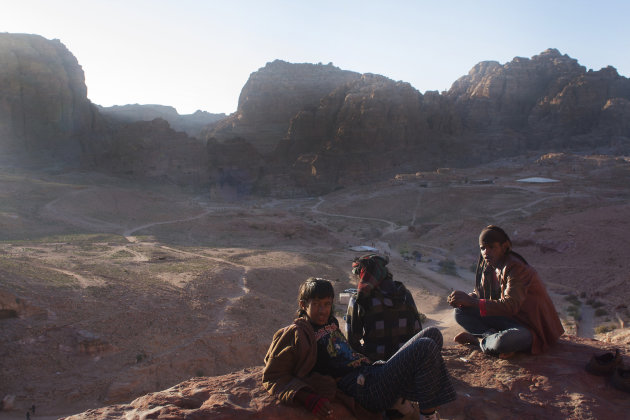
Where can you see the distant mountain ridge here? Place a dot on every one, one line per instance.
(192, 124)
(305, 129)
(273, 95)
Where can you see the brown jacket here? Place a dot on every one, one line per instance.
(525, 298)
(288, 365)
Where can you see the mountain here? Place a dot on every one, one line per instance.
(272, 96)
(306, 129)
(44, 110)
(547, 103)
(192, 124)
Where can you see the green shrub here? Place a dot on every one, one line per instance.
(573, 299)
(448, 267)
(605, 328)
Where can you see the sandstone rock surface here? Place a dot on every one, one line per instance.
(549, 386)
(44, 108)
(273, 95)
(152, 150)
(306, 129)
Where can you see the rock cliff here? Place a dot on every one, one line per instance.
(192, 124)
(548, 102)
(362, 130)
(305, 129)
(273, 95)
(549, 386)
(44, 108)
(152, 150)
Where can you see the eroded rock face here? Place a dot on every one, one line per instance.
(549, 386)
(503, 96)
(192, 124)
(44, 108)
(303, 129)
(153, 150)
(588, 111)
(374, 127)
(547, 102)
(362, 130)
(275, 94)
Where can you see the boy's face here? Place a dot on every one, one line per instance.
(493, 252)
(318, 310)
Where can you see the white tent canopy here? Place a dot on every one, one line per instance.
(537, 180)
(363, 248)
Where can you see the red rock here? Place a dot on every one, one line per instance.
(549, 386)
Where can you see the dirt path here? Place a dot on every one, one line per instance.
(83, 280)
(586, 325)
(391, 226)
(51, 210)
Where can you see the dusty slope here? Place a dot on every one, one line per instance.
(126, 289)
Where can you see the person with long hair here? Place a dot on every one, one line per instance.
(509, 310)
(311, 363)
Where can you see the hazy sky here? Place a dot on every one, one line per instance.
(198, 54)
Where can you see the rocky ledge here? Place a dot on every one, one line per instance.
(549, 386)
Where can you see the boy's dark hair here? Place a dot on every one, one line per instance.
(488, 235)
(493, 233)
(314, 288)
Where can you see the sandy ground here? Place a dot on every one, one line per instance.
(124, 289)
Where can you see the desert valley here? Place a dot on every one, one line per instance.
(135, 268)
(121, 289)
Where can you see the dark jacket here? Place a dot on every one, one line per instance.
(288, 365)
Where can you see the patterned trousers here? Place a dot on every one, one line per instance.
(415, 372)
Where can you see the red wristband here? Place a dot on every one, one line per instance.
(314, 402)
(482, 307)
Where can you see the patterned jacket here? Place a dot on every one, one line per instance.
(379, 324)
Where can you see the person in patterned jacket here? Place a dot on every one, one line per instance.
(381, 315)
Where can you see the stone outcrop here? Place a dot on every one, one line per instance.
(44, 108)
(192, 124)
(303, 129)
(153, 150)
(272, 96)
(548, 102)
(549, 386)
(362, 130)
(503, 96)
(235, 164)
(588, 112)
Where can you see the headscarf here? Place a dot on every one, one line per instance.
(372, 274)
(492, 234)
